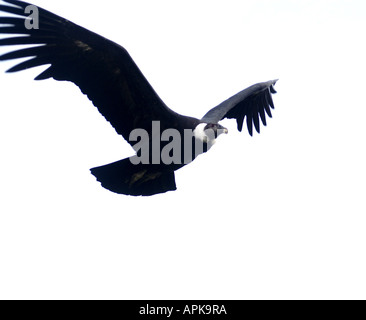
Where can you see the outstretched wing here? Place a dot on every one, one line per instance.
(102, 69)
(252, 103)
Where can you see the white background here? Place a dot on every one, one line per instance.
(277, 216)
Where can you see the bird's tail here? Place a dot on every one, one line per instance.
(123, 177)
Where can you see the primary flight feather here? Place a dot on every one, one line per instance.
(106, 73)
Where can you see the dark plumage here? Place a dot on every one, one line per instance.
(105, 72)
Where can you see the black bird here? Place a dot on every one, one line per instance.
(103, 70)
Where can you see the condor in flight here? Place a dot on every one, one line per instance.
(105, 72)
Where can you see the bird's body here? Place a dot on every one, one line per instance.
(164, 140)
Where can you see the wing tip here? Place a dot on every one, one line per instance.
(271, 88)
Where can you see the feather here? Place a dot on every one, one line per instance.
(24, 40)
(272, 89)
(240, 121)
(35, 62)
(45, 74)
(256, 117)
(28, 52)
(269, 99)
(13, 10)
(262, 114)
(250, 123)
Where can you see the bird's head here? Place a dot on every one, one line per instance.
(208, 132)
(216, 128)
